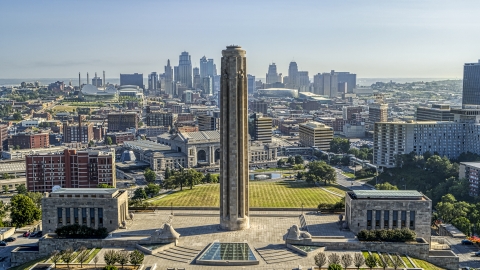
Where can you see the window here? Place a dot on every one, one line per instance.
(100, 216)
(75, 215)
(404, 219)
(386, 217)
(92, 216)
(395, 219)
(369, 218)
(59, 215)
(412, 220)
(84, 215)
(377, 219)
(67, 215)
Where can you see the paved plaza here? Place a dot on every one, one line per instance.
(200, 228)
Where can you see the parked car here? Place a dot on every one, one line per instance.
(467, 242)
(39, 234)
(3, 244)
(33, 234)
(477, 253)
(10, 239)
(26, 234)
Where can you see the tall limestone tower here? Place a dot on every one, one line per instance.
(234, 140)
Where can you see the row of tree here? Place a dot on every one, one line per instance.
(336, 262)
(296, 160)
(111, 257)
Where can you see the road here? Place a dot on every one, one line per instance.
(350, 183)
(5, 251)
(464, 252)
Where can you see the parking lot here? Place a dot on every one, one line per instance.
(5, 251)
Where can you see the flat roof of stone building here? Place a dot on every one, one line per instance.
(387, 194)
(85, 191)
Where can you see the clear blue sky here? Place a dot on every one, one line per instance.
(57, 39)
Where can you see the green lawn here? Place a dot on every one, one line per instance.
(28, 265)
(262, 194)
(93, 254)
(425, 265)
(349, 175)
(406, 261)
(336, 189)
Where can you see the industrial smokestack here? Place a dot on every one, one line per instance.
(88, 79)
(104, 83)
(79, 81)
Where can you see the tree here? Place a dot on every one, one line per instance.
(320, 259)
(104, 186)
(192, 177)
(36, 198)
(110, 257)
(382, 262)
(339, 145)
(291, 160)
(5, 189)
(167, 173)
(333, 258)
(334, 266)
(371, 261)
(136, 257)
(280, 162)
(396, 261)
(82, 256)
(55, 257)
(108, 140)
(385, 186)
(298, 159)
(358, 260)
(67, 256)
(95, 261)
(21, 189)
(320, 170)
(152, 189)
(139, 194)
(23, 210)
(299, 175)
(149, 175)
(463, 224)
(6, 176)
(91, 143)
(346, 260)
(17, 116)
(123, 257)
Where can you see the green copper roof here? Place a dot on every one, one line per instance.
(386, 194)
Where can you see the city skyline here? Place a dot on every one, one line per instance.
(372, 39)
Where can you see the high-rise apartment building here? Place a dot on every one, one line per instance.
(30, 140)
(251, 83)
(70, 169)
(326, 84)
(184, 70)
(350, 111)
(3, 137)
(449, 139)
(132, 79)
(78, 133)
(262, 128)
(303, 79)
(153, 81)
(168, 79)
(208, 122)
(315, 134)
(471, 84)
(159, 118)
(471, 172)
(272, 76)
(121, 121)
(207, 85)
(259, 106)
(438, 112)
(377, 112)
(349, 78)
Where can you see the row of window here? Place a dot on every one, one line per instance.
(79, 216)
(396, 219)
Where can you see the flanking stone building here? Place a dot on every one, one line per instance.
(388, 209)
(94, 207)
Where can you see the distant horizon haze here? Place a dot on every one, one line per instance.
(373, 39)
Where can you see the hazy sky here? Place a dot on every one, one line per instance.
(57, 39)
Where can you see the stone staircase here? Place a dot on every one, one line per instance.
(178, 254)
(279, 253)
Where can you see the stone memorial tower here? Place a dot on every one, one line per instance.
(234, 140)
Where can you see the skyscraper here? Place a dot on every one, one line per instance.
(293, 80)
(203, 67)
(234, 204)
(132, 79)
(272, 75)
(211, 68)
(326, 84)
(168, 78)
(184, 70)
(349, 78)
(471, 84)
(153, 81)
(251, 83)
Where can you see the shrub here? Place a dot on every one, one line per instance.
(335, 266)
(395, 235)
(110, 267)
(81, 231)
